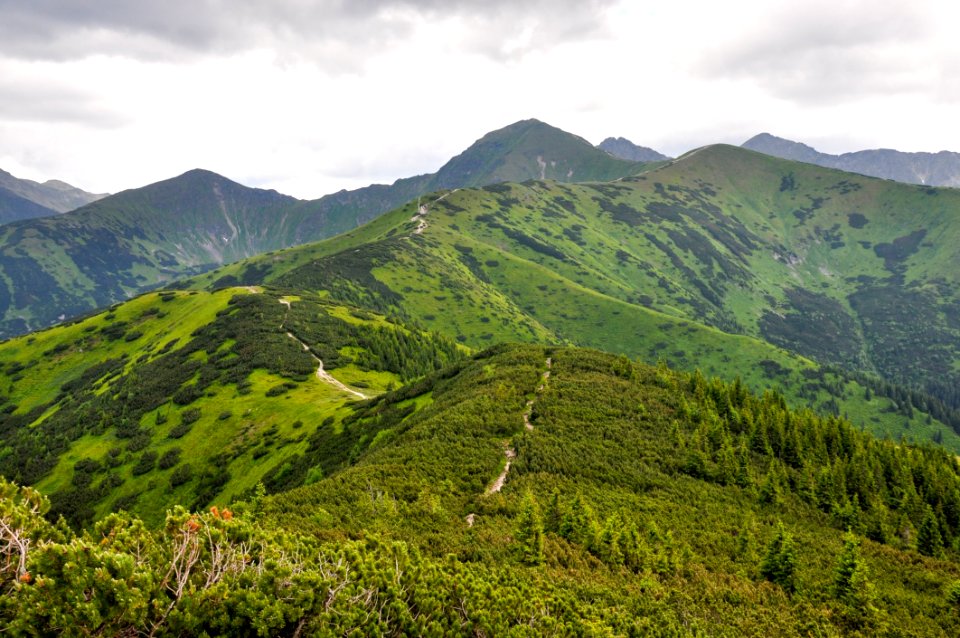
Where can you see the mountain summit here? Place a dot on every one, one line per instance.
(930, 169)
(625, 149)
(530, 149)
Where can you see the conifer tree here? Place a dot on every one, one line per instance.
(780, 562)
(851, 585)
(636, 553)
(929, 539)
(529, 532)
(953, 595)
(555, 513)
(609, 542)
(576, 521)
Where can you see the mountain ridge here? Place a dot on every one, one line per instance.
(932, 169)
(625, 149)
(138, 239)
(53, 194)
(722, 253)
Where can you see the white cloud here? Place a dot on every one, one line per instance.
(309, 98)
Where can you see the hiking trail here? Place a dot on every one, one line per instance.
(508, 451)
(322, 374)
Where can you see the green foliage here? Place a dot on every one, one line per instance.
(529, 532)
(929, 539)
(953, 595)
(780, 562)
(628, 542)
(851, 584)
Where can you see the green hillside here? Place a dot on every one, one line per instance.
(182, 397)
(637, 502)
(724, 277)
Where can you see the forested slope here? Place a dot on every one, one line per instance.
(639, 502)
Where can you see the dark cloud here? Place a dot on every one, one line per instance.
(63, 29)
(821, 52)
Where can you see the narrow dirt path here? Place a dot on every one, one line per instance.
(540, 388)
(508, 451)
(322, 374)
(423, 209)
(511, 454)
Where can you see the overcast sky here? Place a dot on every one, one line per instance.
(309, 97)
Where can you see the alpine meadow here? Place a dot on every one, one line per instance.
(550, 389)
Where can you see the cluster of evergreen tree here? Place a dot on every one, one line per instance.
(406, 353)
(940, 401)
(643, 502)
(904, 495)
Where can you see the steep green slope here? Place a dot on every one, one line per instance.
(846, 269)
(535, 491)
(640, 265)
(181, 397)
(62, 266)
(134, 241)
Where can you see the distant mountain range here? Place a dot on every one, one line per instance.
(930, 169)
(625, 149)
(27, 199)
(57, 267)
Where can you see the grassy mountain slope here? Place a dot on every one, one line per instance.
(181, 397)
(639, 265)
(637, 502)
(134, 241)
(847, 270)
(62, 266)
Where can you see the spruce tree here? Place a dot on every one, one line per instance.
(576, 522)
(851, 585)
(609, 542)
(929, 540)
(555, 513)
(780, 562)
(529, 532)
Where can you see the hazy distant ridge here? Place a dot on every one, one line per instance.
(53, 194)
(625, 149)
(932, 169)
